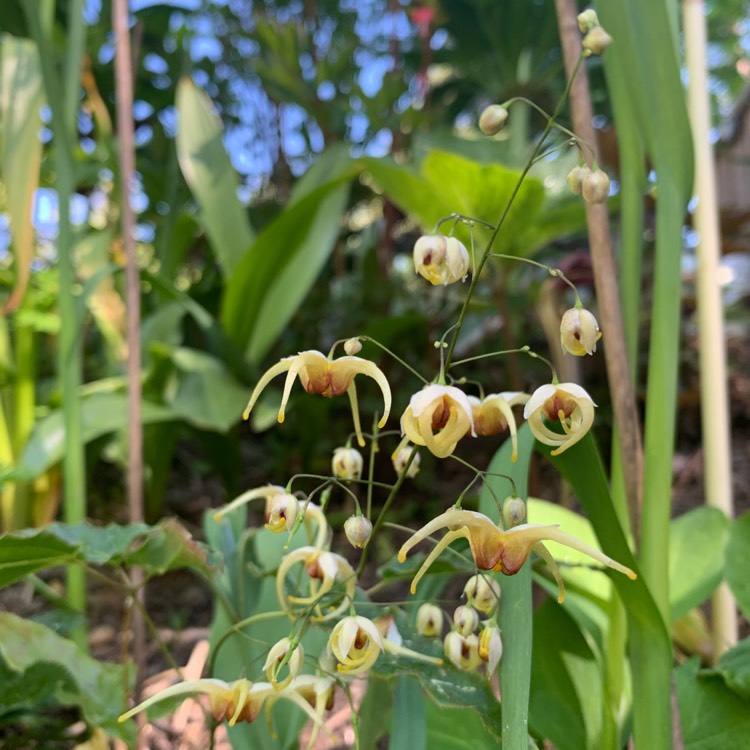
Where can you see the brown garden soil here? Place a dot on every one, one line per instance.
(180, 604)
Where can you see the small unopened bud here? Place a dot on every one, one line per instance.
(281, 512)
(401, 456)
(465, 619)
(462, 651)
(347, 463)
(352, 347)
(514, 512)
(490, 647)
(595, 187)
(482, 593)
(579, 332)
(441, 260)
(493, 119)
(596, 41)
(575, 178)
(358, 530)
(429, 620)
(587, 20)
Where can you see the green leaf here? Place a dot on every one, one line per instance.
(408, 730)
(21, 554)
(713, 716)
(453, 729)
(205, 393)
(211, 177)
(274, 278)
(100, 687)
(566, 696)
(696, 558)
(102, 413)
(738, 562)
(374, 711)
(734, 667)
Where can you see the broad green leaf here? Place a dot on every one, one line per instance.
(696, 558)
(209, 174)
(516, 608)
(205, 394)
(734, 667)
(454, 729)
(738, 562)
(566, 696)
(21, 554)
(21, 98)
(274, 278)
(169, 547)
(102, 413)
(408, 730)
(374, 711)
(713, 716)
(650, 648)
(100, 687)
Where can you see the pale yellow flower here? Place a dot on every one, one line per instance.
(465, 619)
(462, 650)
(347, 463)
(325, 377)
(494, 414)
(277, 655)
(579, 332)
(566, 403)
(429, 620)
(437, 417)
(482, 593)
(356, 643)
(441, 260)
(358, 530)
(490, 647)
(495, 549)
(401, 456)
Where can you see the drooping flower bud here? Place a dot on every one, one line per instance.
(596, 41)
(465, 619)
(595, 186)
(441, 260)
(277, 655)
(579, 332)
(462, 650)
(575, 178)
(352, 347)
(493, 118)
(482, 593)
(514, 512)
(587, 20)
(401, 456)
(358, 530)
(429, 620)
(281, 512)
(347, 463)
(490, 647)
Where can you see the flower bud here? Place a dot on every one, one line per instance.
(429, 620)
(276, 655)
(514, 512)
(358, 530)
(493, 119)
(587, 20)
(347, 463)
(352, 347)
(465, 619)
(281, 512)
(596, 41)
(575, 178)
(440, 260)
(595, 186)
(401, 456)
(579, 332)
(462, 650)
(490, 647)
(482, 593)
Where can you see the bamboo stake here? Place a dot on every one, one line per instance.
(712, 351)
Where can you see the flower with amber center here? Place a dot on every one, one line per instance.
(494, 414)
(490, 646)
(325, 377)
(437, 417)
(579, 332)
(462, 650)
(330, 582)
(482, 593)
(441, 260)
(566, 403)
(495, 549)
(429, 620)
(465, 619)
(356, 643)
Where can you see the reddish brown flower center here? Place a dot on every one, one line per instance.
(559, 402)
(441, 415)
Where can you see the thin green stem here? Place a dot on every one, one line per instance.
(488, 249)
(396, 357)
(371, 464)
(554, 272)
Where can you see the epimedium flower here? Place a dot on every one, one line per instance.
(566, 403)
(400, 458)
(495, 549)
(465, 619)
(437, 417)
(240, 700)
(358, 530)
(284, 653)
(347, 463)
(324, 571)
(429, 620)
(482, 593)
(490, 646)
(579, 332)
(318, 692)
(325, 377)
(462, 650)
(441, 260)
(494, 414)
(356, 643)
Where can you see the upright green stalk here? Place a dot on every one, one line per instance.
(63, 104)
